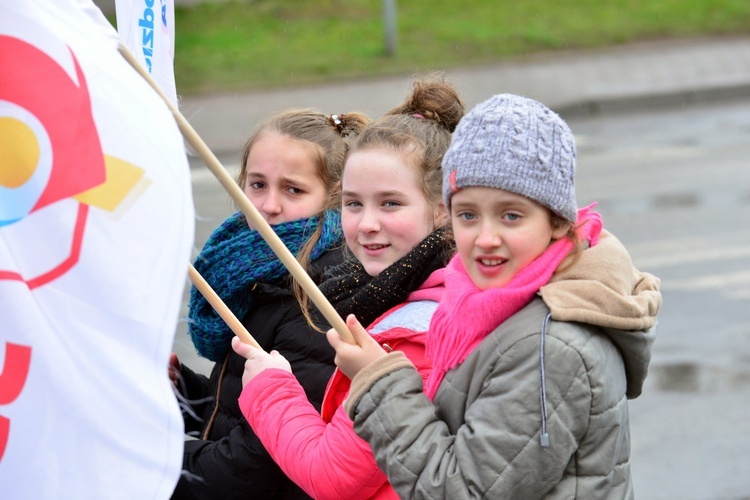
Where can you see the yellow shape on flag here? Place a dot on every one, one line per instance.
(122, 177)
(19, 152)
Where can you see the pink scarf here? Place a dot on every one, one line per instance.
(466, 315)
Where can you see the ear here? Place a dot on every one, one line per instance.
(559, 232)
(441, 216)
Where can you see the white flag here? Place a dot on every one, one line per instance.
(96, 227)
(146, 27)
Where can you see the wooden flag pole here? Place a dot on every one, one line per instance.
(258, 222)
(220, 307)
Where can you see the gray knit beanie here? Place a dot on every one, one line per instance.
(516, 144)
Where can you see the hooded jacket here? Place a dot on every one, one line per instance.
(323, 455)
(539, 407)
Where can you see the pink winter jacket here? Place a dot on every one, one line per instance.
(321, 453)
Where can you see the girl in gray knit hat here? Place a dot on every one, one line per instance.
(543, 334)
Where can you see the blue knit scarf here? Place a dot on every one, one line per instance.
(233, 260)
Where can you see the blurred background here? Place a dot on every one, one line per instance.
(657, 93)
(226, 45)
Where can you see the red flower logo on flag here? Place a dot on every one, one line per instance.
(50, 149)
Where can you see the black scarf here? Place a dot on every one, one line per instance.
(352, 291)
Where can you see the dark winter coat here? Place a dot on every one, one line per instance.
(228, 453)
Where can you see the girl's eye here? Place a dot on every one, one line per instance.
(391, 204)
(295, 190)
(352, 204)
(257, 185)
(512, 217)
(467, 216)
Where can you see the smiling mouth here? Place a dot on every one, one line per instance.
(492, 262)
(374, 247)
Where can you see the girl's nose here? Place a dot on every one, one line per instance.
(489, 237)
(370, 222)
(271, 204)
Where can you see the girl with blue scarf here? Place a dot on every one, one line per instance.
(290, 171)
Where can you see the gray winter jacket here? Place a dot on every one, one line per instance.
(538, 409)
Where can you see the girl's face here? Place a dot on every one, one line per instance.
(281, 179)
(384, 211)
(499, 233)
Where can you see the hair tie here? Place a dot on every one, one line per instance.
(418, 115)
(338, 122)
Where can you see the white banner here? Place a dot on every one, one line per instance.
(96, 229)
(146, 27)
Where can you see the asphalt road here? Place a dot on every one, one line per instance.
(674, 186)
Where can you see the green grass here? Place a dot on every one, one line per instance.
(269, 43)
